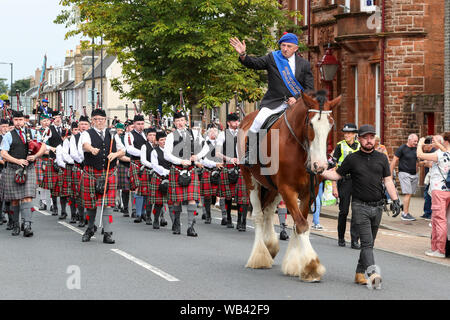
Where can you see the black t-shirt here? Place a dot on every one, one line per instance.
(367, 171)
(407, 159)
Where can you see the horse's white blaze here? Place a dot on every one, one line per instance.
(260, 256)
(318, 147)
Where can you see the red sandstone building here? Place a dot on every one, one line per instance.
(391, 56)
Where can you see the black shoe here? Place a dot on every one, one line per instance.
(103, 231)
(22, 226)
(16, 229)
(191, 232)
(42, 206)
(107, 238)
(28, 232)
(125, 212)
(355, 245)
(63, 216)
(138, 220)
(87, 235)
(224, 222)
(73, 220)
(244, 227)
(133, 213)
(1, 220)
(204, 216)
(148, 221)
(82, 223)
(155, 224)
(208, 220)
(341, 242)
(9, 226)
(284, 235)
(163, 222)
(95, 228)
(230, 225)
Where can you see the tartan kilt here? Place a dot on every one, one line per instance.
(156, 197)
(57, 190)
(207, 189)
(67, 183)
(76, 179)
(144, 183)
(91, 200)
(50, 178)
(15, 191)
(178, 193)
(123, 177)
(226, 190)
(2, 183)
(242, 194)
(135, 166)
(39, 172)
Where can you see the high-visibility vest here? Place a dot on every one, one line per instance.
(346, 150)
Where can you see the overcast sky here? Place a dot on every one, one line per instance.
(27, 32)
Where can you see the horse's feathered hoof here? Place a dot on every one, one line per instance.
(260, 258)
(311, 280)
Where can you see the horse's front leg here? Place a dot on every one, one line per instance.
(270, 237)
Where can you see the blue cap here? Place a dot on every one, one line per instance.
(44, 100)
(289, 37)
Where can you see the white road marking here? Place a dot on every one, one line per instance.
(43, 212)
(72, 228)
(145, 265)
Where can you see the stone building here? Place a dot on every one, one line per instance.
(391, 55)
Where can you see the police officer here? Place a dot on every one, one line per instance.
(368, 170)
(343, 188)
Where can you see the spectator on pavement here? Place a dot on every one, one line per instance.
(406, 156)
(440, 192)
(318, 205)
(427, 148)
(380, 147)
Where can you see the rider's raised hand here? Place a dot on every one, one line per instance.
(239, 46)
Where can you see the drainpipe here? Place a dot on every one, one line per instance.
(383, 43)
(309, 29)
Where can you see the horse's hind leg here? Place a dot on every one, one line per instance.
(270, 237)
(260, 257)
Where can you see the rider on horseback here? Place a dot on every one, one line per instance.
(288, 75)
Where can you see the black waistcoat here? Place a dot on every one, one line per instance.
(149, 149)
(138, 142)
(100, 161)
(230, 140)
(187, 148)
(18, 149)
(161, 160)
(55, 139)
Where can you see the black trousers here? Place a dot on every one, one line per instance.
(367, 220)
(345, 194)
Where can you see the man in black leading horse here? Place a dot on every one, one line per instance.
(278, 96)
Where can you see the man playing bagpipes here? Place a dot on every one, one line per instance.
(101, 148)
(20, 175)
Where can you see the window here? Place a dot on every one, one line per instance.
(368, 5)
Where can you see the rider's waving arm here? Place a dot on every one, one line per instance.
(257, 63)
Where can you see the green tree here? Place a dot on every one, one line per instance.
(21, 85)
(4, 88)
(165, 45)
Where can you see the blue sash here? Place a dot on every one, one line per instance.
(286, 73)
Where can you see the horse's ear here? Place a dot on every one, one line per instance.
(335, 102)
(310, 102)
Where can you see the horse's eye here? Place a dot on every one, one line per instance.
(311, 124)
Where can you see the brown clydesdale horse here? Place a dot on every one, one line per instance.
(289, 152)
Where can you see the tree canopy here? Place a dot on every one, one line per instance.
(165, 45)
(21, 85)
(4, 88)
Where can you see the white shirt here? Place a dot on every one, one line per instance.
(291, 61)
(76, 152)
(86, 138)
(129, 140)
(146, 162)
(439, 171)
(59, 156)
(65, 152)
(169, 147)
(221, 140)
(155, 163)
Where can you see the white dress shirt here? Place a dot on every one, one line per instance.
(75, 150)
(169, 147)
(65, 152)
(146, 162)
(59, 156)
(156, 166)
(291, 61)
(129, 140)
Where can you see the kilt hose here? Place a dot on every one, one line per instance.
(67, 184)
(15, 191)
(242, 195)
(123, 177)
(207, 189)
(178, 193)
(156, 197)
(143, 188)
(91, 199)
(226, 190)
(135, 166)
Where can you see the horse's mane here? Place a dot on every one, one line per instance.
(320, 96)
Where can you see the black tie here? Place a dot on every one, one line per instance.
(59, 130)
(102, 136)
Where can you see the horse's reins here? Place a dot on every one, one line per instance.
(313, 179)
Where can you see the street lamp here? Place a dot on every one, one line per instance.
(10, 63)
(328, 68)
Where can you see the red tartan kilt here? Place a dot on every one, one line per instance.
(67, 181)
(92, 200)
(135, 165)
(144, 184)
(227, 190)
(178, 193)
(39, 172)
(242, 194)
(76, 179)
(156, 197)
(207, 189)
(50, 177)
